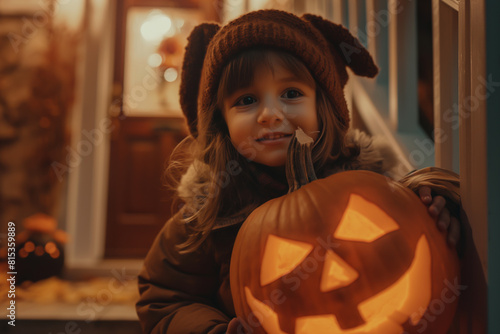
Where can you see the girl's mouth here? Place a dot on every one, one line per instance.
(273, 136)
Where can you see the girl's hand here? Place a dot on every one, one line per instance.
(437, 209)
(235, 327)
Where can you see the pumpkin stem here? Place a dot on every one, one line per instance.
(299, 165)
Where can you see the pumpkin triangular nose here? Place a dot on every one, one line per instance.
(336, 273)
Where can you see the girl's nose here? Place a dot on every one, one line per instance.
(270, 115)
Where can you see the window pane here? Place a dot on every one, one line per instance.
(155, 41)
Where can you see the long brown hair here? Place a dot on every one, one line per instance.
(213, 148)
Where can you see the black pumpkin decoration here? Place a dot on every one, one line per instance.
(39, 250)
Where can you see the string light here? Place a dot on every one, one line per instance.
(29, 246)
(157, 26)
(170, 74)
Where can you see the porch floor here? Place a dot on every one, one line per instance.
(97, 299)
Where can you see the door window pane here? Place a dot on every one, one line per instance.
(154, 49)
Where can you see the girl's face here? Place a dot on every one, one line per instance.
(262, 116)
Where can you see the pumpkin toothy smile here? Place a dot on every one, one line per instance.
(380, 312)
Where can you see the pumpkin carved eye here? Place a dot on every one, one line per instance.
(281, 256)
(364, 221)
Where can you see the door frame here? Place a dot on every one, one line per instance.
(87, 187)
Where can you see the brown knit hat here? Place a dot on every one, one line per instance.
(324, 47)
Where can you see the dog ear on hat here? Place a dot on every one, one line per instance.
(348, 47)
(192, 67)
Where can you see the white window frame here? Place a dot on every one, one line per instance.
(86, 203)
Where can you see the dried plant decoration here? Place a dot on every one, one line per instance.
(37, 96)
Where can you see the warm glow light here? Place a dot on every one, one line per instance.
(336, 273)
(328, 324)
(281, 256)
(316, 324)
(364, 221)
(156, 27)
(50, 247)
(384, 313)
(266, 316)
(69, 14)
(400, 298)
(170, 74)
(23, 253)
(55, 254)
(39, 251)
(154, 60)
(29, 246)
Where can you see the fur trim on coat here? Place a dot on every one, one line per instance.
(375, 155)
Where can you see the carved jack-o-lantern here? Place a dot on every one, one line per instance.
(40, 249)
(351, 253)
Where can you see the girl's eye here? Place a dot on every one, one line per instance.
(292, 94)
(245, 100)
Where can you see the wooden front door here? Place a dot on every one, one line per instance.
(145, 130)
(138, 201)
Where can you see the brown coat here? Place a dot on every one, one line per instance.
(186, 293)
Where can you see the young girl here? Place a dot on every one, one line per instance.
(246, 87)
